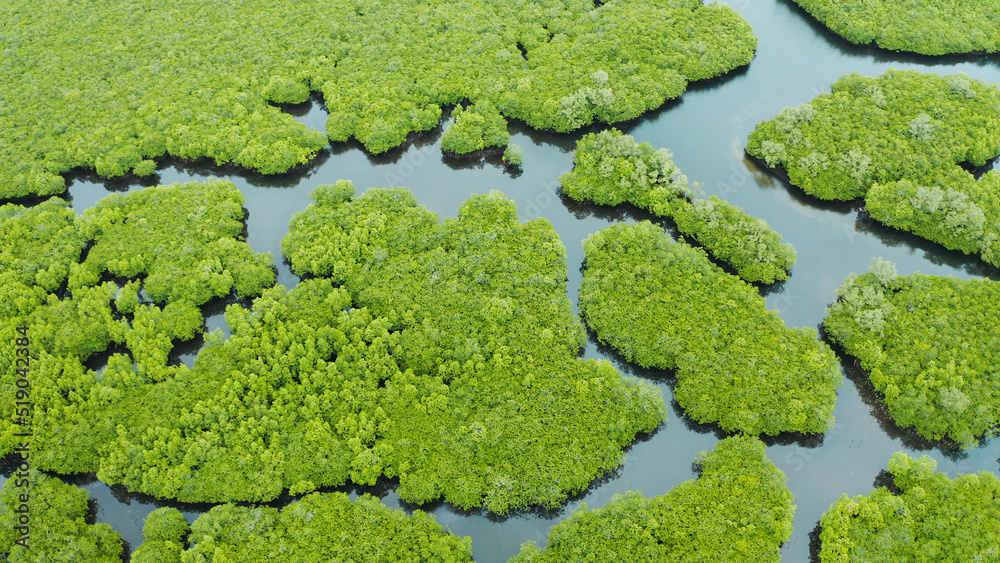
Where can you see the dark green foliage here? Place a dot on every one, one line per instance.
(611, 168)
(739, 509)
(97, 86)
(477, 127)
(897, 140)
(320, 526)
(934, 518)
(489, 405)
(929, 27)
(184, 238)
(58, 529)
(664, 304)
(929, 344)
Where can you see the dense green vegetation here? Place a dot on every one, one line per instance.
(513, 155)
(664, 304)
(57, 526)
(310, 530)
(148, 234)
(476, 128)
(930, 345)
(898, 140)
(183, 240)
(489, 404)
(611, 168)
(110, 88)
(929, 27)
(164, 537)
(932, 518)
(319, 525)
(448, 358)
(739, 509)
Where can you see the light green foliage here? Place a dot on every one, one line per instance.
(185, 238)
(310, 530)
(477, 127)
(97, 86)
(158, 552)
(664, 304)
(611, 168)
(37, 245)
(746, 243)
(58, 529)
(929, 27)
(958, 211)
(897, 140)
(513, 155)
(164, 535)
(163, 234)
(739, 509)
(489, 405)
(165, 524)
(289, 400)
(933, 519)
(930, 345)
(871, 131)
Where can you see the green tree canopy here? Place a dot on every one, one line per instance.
(97, 86)
(446, 357)
(492, 406)
(611, 168)
(477, 127)
(898, 141)
(58, 530)
(929, 27)
(319, 525)
(738, 509)
(931, 518)
(664, 304)
(182, 244)
(930, 346)
(186, 240)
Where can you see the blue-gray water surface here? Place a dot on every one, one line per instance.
(706, 130)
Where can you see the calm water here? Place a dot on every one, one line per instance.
(706, 130)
